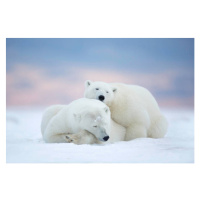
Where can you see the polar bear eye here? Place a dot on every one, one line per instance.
(95, 126)
(97, 88)
(107, 92)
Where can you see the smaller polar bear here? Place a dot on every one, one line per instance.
(84, 121)
(131, 106)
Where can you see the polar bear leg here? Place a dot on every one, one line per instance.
(48, 115)
(55, 131)
(57, 138)
(136, 131)
(159, 128)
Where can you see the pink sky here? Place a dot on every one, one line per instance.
(29, 85)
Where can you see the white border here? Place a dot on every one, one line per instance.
(99, 19)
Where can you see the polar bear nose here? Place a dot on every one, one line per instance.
(101, 97)
(106, 138)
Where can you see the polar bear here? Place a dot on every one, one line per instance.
(84, 121)
(131, 106)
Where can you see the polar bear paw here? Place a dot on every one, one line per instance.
(72, 138)
(69, 139)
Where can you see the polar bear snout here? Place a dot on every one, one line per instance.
(101, 97)
(103, 136)
(106, 138)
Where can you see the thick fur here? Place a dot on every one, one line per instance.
(84, 121)
(131, 106)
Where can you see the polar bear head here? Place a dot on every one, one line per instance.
(95, 119)
(100, 91)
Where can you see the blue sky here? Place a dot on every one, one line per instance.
(61, 57)
(138, 53)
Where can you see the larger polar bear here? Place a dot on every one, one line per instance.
(131, 106)
(84, 121)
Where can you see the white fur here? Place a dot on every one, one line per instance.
(131, 106)
(84, 121)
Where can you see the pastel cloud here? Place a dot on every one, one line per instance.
(44, 90)
(29, 85)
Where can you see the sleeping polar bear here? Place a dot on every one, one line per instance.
(84, 121)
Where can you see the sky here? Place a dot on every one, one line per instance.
(42, 72)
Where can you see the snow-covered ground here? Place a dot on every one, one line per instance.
(25, 144)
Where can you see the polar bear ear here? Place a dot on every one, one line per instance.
(88, 83)
(114, 89)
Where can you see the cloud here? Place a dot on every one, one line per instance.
(44, 90)
(30, 85)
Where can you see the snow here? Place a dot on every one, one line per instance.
(24, 143)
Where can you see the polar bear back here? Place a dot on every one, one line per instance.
(138, 94)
